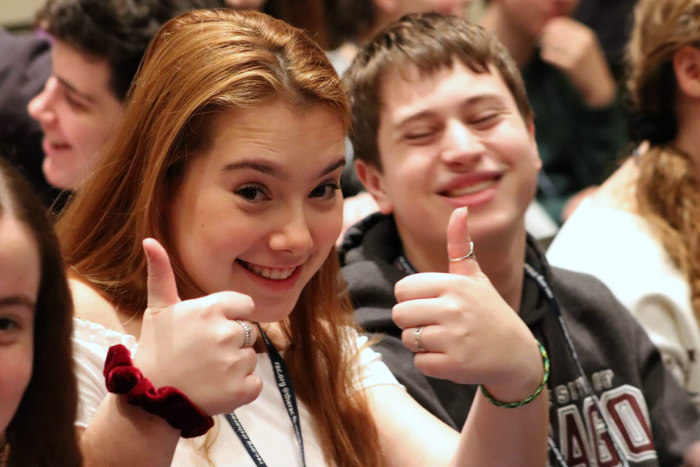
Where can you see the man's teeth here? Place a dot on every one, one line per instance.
(467, 190)
(267, 273)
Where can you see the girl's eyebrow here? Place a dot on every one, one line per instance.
(14, 300)
(72, 89)
(333, 165)
(267, 169)
(278, 172)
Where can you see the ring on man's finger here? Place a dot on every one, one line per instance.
(247, 330)
(417, 339)
(467, 256)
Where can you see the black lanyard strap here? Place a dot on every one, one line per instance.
(284, 384)
(404, 265)
(541, 282)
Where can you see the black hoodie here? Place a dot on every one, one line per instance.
(650, 415)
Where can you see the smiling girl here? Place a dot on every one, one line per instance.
(229, 158)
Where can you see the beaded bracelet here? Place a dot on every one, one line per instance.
(527, 400)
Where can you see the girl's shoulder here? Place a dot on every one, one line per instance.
(89, 305)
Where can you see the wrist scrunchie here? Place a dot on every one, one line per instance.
(122, 377)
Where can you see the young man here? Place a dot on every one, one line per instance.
(580, 125)
(441, 121)
(97, 47)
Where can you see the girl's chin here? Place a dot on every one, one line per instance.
(272, 311)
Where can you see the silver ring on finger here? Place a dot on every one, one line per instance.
(467, 256)
(417, 339)
(247, 330)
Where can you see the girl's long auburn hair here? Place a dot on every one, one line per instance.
(201, 63)
(668, 188)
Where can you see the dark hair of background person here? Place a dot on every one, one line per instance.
(428, 42)
(42, 430)
(116, 30)
(309, 15)
(347, 20)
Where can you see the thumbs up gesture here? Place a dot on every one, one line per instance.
(197, 346)
(461, 328)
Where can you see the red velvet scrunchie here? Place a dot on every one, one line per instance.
(122, 377)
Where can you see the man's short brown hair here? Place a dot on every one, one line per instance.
(428, 42)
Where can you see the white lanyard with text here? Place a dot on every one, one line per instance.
(284, 384)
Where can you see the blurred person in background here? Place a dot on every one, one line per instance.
(581, 127)
(97, 46)
(644, 221)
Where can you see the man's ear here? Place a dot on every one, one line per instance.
(373, 181)
(686, 65)
(530, 123)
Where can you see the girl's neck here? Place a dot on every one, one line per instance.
(688, 127)
(276, 335)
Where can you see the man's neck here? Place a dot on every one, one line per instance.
(520, 44)
(503, 260)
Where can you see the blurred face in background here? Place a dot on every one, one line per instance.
(454, 7)
(531, 16)
(77, 111)
(391, 10)
(245, 4)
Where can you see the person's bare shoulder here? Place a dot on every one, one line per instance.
(91, 306)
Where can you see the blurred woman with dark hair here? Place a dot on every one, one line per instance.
(37, 385)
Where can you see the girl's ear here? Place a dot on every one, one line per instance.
(686, 65)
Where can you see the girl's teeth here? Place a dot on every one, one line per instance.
(274, 274)
(467, 190)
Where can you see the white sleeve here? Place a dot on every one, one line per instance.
(90, 344)
(373, 371)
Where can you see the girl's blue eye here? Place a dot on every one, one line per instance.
(252, 193)
(325, 191)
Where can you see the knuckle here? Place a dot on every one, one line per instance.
(453, 307)
(223, 335)
(249, 356)
(241, 303)
(243, 391)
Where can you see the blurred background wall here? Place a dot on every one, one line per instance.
(18, 14)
